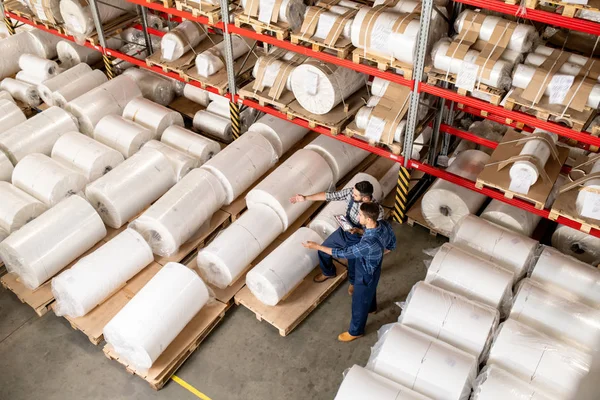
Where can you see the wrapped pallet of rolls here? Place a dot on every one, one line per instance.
(181, 163)
(494, 383)
(427, 365)
(6, 168)
(192, 144)
(43, 247)
(580, 245)
(72, 74)
(320, 22)
(153, 86)
(341, 157)
(71, 54)
(98, 275)
(85, 155)
(22, 91)
(181, 39)
(494, 243)
(211, 61)
(17, 208)
(280, 133)
(151, 115)
(452, 318)
(121, 134)
(274, 71)
(572, 65)
(196, 94)
(78, 15)
(445, 203)
(37, 66)
(360, 383)
(290, 12)
(304, 172)
(133, 185)
(547, 364)
(10, 115)
(241, 163)
(511, 217)
(284, 268)
(37, 134)
(153, 318)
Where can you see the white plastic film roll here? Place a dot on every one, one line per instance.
(494, 383)
(43, 247)
(291, 12)
(220, 108)
(30, 79)
(272, 67)
(37, 135)
(498, 245)
(578, 244)
(181, 163)
(17, 208)
(325, 222)
(180, 40)
(424, 364)
(226, 257)
(547, 364)
(6, 168)
(284, 268)
(196, 94)
(44, 44)
(10, 115)
(37, 66)
(340, 156)
(213, 124)
(47, 10)
(360, 383)
(49, 86)
(585, 204)
(22, 91)
(153, 318)
(126, 190)
(85, 155)
(153, 116)
(454, 319)
(4, 95)
(463, 273)
(70, 54)
(280, 133)
(96, 276)
(192, 144)
(11, 48)
(78, 15)
(153, 86)
(326, 20)
(241, 163)
(510, 217)
(181, 212)
(304, 172)
(445, 203)
(557, 316)
(78, 87)
(121, 134)
(210, 61)
(523, 174)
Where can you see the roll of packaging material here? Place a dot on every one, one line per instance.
(181, 212)
(43, 247)
(510, 217)
(153, 318)
(22, 91)
(215, 125)
(128, 189)
(325, 222)
(70, 54)
(210, 61)
(570, 321)
(284, 268)
(326, 21)
(319, 86)
(224, 260)
(3, 234)
(426, 365)
(78, 15)
(85, 155)
(196, 94)
(49, 86)
(340, 156)
(304, 172)
(587, 198)
(445, 203)
(153, 116)
(10, 115)
(121, 134)
(199, 147)
(280, 133)
(494, 383)
(220, 108)
(241, 163)
(180, 40)
(181, 163)
(523, 174)
(12, 47)
(17, 208)
(44, 44)
(78, 87)
(4, 95)
(360, 383)
(95, 277)
(272, 67)
(568, 277)
(37, 66)
(6, 168)
(22, 76)
(521, 40)
(290, 12)
(46, 179)
(153, 86)
(493, 243)
(37, 135)
(454, 319)
(546, 363)
(578, 244)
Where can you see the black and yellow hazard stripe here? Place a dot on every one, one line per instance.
(9, 26)
(401, 194)
(108, 66)
(236, 125)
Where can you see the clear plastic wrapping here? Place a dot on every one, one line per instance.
(272, 67)
(181, 162)
(13, 46)
(71, 54)
(51, 85)
(78, 87)
(280, 133)
(17, 208)
(196, 94)
(290, 12)
(194, 145)
(25, 92)
(580, 245)
(523, 174)
(494, 383)
(211, 61)
(121, 134)
(341, 157)
(43, 247)
(6, 168)
(511, 217)
(78, 15)
(153, 86)
(215, 125)
(151, 115)
(181, 39)
(39, 67)
(10, 115)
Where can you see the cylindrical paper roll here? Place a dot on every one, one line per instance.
(121, 134)
(192, 144)
(181, 163)
(153, 116)
(17, 208)
(510, 217)
(340, 156)
(578, 244)
(280, 133)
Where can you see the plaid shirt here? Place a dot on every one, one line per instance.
(346, 195)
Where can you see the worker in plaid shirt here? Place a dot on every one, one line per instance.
(361, 193)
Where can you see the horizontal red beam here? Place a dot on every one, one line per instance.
(173, 11)
(468, 136)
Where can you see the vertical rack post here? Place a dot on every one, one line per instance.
(100, 32)
(234, 108)
(144, 14)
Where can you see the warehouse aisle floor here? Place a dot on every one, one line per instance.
(44, 358)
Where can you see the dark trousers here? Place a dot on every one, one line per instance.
(338, 239)
(364, 301)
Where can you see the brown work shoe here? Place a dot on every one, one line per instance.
(346, 337)
(321, 278)
(351, 289)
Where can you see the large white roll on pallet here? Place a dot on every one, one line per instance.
(181, 212)
(211, 61)
(180, 40)
(511, 217)
(284, 268)
(197, 146)
(280, 133)
(6, 168)
(145, 327)
(72, 74)
(78, 15)
(98, 275)
(77, 87)
(24, 92)
(43, 247)
(213, 124)
(494, 383)
(153, 116)
(578, 244)
(126, 190)
(17, 207)
(154, 87)
(523, 174)
(71, 54)
(425, 364)
(341, 157)
(182, 163)
(10, 115)
(304, 172)
(226, 257)
(290, 12)
(121, 134)
(241, 163)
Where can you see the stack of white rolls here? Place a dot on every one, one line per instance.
(48, 87)
(280, 133)
(77, 87)
(78, 19)
(37, 68)
(511, 217)
(22, 91)
(10, 115)
(35, 42)
(340, 156)
(523, 174)
(192, 144)
(43, 247)
(291, 12)
(578, 244)
(17, 208)
(47, 10)
(151, 115)
(71, 54)
(494, 383)
(272, 67)
(153, 86)
(181, 163)
(180, 40)
(211, 61)
(121, 134)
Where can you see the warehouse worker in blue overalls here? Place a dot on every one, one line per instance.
(361, 193)
(377, 240)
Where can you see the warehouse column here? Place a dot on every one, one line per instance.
(234, 108)
(100, 31)
(401, 195)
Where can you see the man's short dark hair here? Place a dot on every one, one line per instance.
(365, 188)
(370, 210)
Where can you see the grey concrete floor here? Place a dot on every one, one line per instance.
(44, 358)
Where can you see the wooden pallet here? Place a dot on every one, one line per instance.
(414, 216)
(565, 9)
(280, 30)
(201, 9)
(20, 10)
(180, 348)
(263, 98)
(165, 3)
(383, 63)
(341, 49)
(186, 61)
